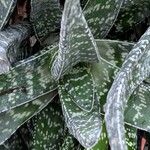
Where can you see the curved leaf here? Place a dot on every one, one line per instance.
(80, 87)
(45, 17)
(101, 15)
(83, 125)
(11, 120)
(76, 41)
(132, 13)
(24, 83)
(135, 69)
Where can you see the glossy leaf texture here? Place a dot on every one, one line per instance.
(76, 41)
(85, 126)
(24, 83)
(101, 15)
(45, 17)
(6, 9)
(135, 69)
(11, 39)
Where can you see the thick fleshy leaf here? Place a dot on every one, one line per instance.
(10, 41)
(114, 51)
(27, 81)
(101, 15)
(131, 138)
(135, 69)
(11, 120)
(6, 9)
(80, 87)
(83, 125)
(137, 111)
(103, 143)
(132, 13)
(45, 17)
(48, 128)
(76, 41)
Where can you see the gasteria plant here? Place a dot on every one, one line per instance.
(74, 74)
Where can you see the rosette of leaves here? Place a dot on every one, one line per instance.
(55, 98)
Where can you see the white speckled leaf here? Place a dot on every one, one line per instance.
(24, 83)
(48, 128)
(131, 137)
(84, 126)
(101, 15)
(11, 120)
(70, 143)
(6, 9)
(132, 13)
(137, 111)
(76, 41)
(80, 86)
(135, 69)
(114, 51)
(45, 17)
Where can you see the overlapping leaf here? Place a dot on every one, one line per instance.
(131, 13)
(83, 125)
(76, 41)
(24, 83)
(135, 69)
(6, 9)
(101, 15)
(131, 138)
(11, 120)
(45, 16)
(80, 87)
(137, 112)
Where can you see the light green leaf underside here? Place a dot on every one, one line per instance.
(24, 83)
(76, 41)
(84, 126)
(11, 120)
(101, 15)
(135, 69)
(45, 17)
(6, 9)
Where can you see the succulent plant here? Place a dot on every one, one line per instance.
(74, 74)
